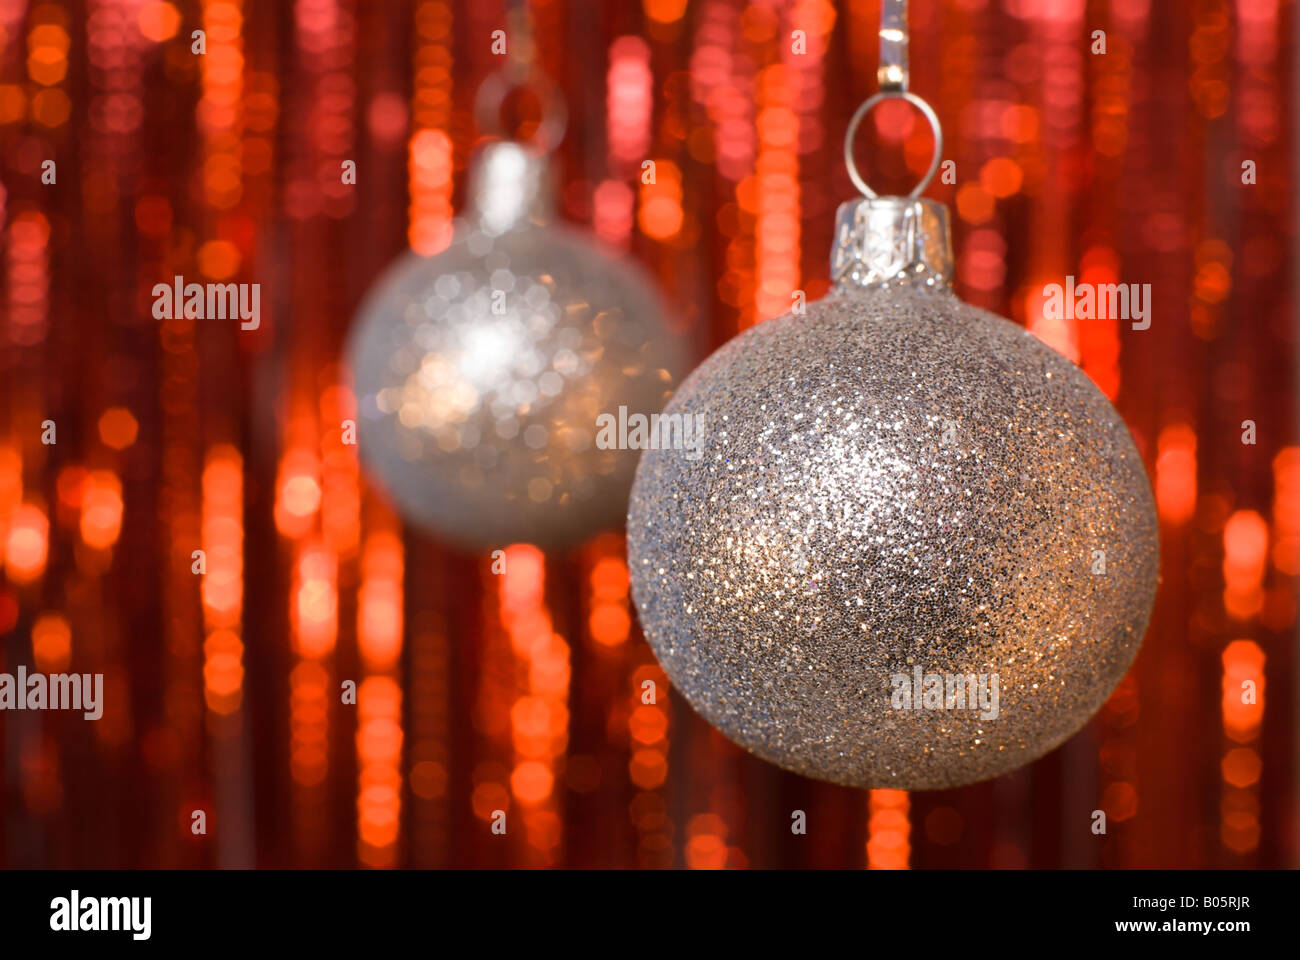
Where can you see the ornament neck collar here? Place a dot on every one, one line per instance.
(510, 186)
(892, 241)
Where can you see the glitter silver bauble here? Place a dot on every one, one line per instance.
(895, 487)
(481, 371)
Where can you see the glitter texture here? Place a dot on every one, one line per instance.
(894, 480)
(480, 373)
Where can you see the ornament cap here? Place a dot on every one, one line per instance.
(892, 240)
(510, 185)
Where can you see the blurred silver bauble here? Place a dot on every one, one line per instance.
(895, 487)
(480, 372)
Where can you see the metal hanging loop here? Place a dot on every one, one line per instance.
(521, 73)
(863, 110)
(893, 76)
(492, 95)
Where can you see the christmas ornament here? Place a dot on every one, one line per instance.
(481, 371)
(919, 549)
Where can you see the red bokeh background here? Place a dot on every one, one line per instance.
(521, 692)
